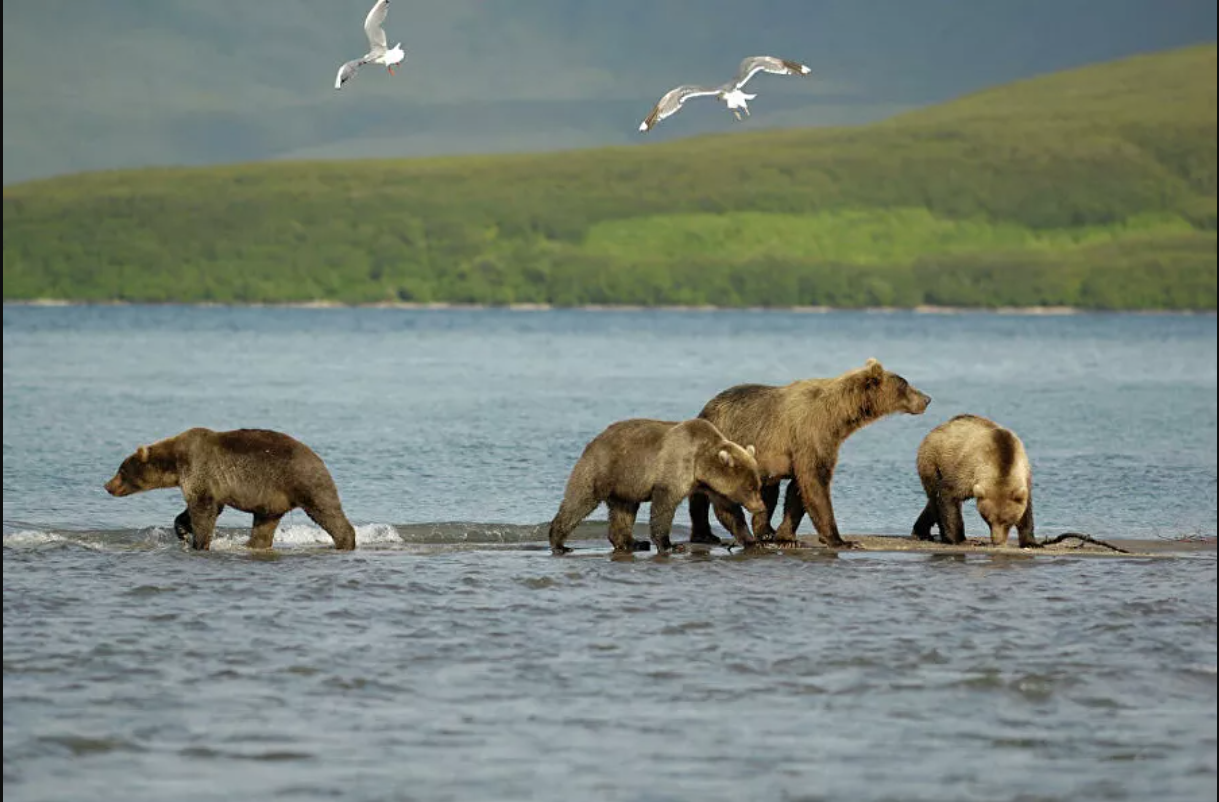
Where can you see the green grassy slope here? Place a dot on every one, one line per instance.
(1093, 187)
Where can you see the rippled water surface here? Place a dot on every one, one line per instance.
(451, 657)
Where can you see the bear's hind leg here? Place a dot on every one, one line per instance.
(263, 531)
(700, 519)
(335, 523)
(569, 516)
(793, 514)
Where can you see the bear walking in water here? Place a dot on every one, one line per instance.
(972, 457)
(798, 429)
(253, 470)
(640, 460)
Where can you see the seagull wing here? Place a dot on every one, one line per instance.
(672, 101)
(373, 29)
(779, 66)
(347, 72)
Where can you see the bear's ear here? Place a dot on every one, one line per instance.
(752, 451)
(142, 454)
(725, 457)
(873, 372)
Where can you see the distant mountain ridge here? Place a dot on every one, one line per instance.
(1091, 188)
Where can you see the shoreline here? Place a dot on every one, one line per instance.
(925, 309)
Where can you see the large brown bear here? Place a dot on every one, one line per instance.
(798, 429)
(973, 457)
(253, 470)
(640, 460)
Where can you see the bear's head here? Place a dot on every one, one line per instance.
(149, 468)
(732, 472)
(886, 392)
(1002, 507)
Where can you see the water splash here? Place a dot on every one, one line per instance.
(295, 535)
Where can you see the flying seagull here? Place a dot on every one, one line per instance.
(736, 100)
(377, 53)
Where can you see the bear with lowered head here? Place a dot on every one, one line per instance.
(640, 460)
(261, 472)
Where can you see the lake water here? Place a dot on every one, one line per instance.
(451, 657)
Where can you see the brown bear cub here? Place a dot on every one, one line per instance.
(640, 460)
(972, 457)
(253, 470)
(798, 429)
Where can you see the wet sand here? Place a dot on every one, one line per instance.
(1141, 547)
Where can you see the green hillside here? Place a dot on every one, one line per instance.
(1093, 188)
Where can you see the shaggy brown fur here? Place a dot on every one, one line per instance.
(798, 429)
(639, 460)
(972, 457)
(253, 470)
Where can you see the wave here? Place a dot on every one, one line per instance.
(426, 536)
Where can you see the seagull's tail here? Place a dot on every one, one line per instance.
(804, 70)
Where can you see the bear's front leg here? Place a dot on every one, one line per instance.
(952, 525)
(815, 492)
(762, 530)
(1024, 528)
(700, 519)
(660, 520)
(182, 527)
(203, 515)
(732, 517)
(926, 520)
(622, 524)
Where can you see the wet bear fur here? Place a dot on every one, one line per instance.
(261, 472)
(972, 457)
(798, 430)
(640, 460)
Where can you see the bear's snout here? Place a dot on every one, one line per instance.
(115, 487)
(921, 402)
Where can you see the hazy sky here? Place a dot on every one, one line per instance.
(92, 84)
